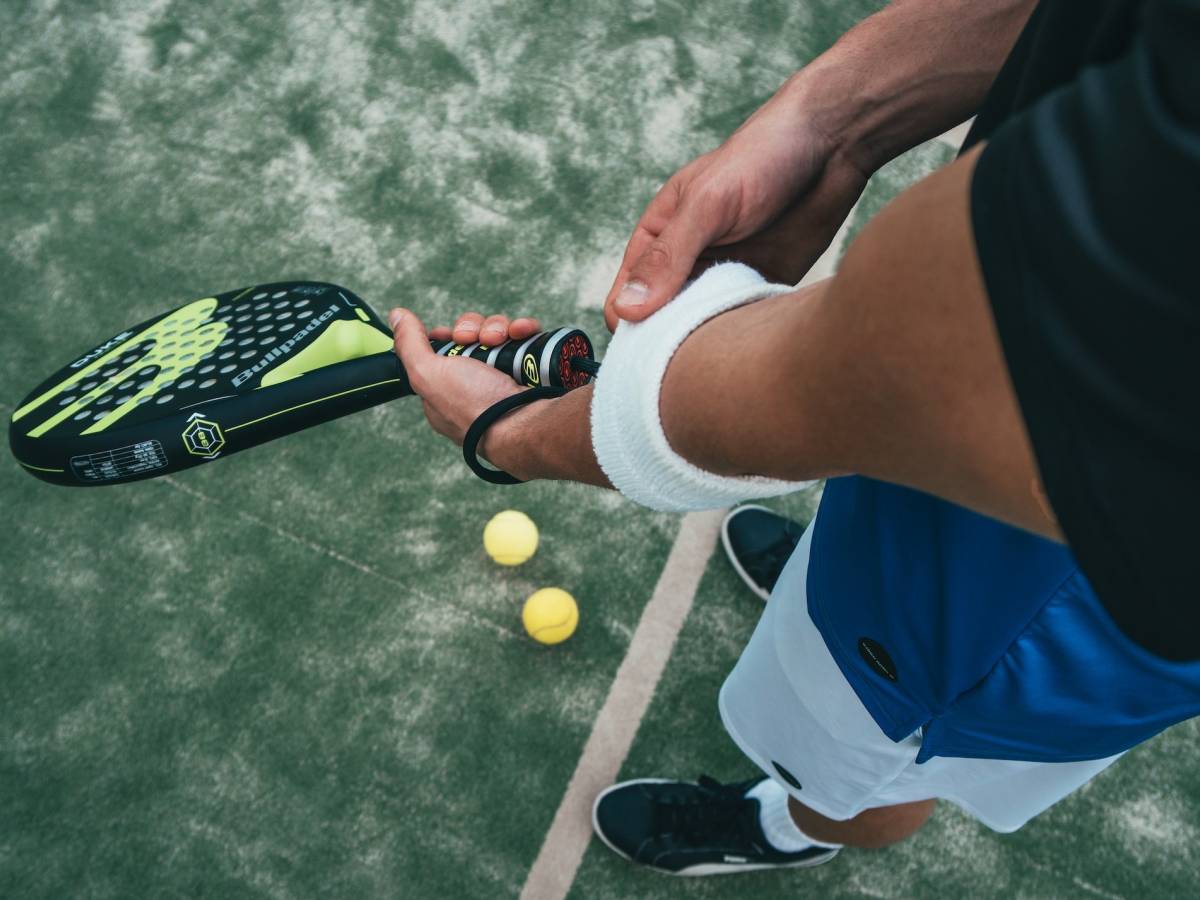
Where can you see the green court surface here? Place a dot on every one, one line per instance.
(295, 673)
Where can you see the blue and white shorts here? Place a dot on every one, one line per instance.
(790, 709)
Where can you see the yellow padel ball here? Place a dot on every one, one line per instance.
(510, 537)
(550, 615)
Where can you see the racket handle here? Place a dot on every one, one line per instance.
(544, 359)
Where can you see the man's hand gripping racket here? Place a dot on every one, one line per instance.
(238, 369)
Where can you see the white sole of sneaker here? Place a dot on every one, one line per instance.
(702, 868)
(733, 560)
(724, 869)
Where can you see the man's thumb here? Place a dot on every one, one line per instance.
(412, 344)
(660, 271)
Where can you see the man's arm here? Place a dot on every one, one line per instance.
(908, 73)
(891, 369)
(774, 194)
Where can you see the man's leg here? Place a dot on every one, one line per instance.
(870, 829)
(758, 544)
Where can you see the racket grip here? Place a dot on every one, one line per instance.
(541, 360)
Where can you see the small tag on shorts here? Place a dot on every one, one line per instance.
(787, 776)
(877, 658)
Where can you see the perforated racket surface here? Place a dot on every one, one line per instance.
(227, 372)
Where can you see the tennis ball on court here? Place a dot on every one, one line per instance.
(510, 537)
(550, 615)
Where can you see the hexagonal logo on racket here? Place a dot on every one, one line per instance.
(203, 437)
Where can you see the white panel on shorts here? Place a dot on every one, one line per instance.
(786, 704)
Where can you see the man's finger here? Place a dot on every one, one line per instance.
(638, 241)
(524, 327)
(654, 219)
(466, 329)
(412, 345)
(494, 330)
(664, 265)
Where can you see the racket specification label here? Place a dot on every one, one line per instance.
(110, 465)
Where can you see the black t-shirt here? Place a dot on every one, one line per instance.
(1086, 211)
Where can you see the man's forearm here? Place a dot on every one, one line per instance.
(548, 440)
(729, 373)
(908, 73)
(891, 369)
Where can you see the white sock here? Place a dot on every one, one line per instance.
(777, 824)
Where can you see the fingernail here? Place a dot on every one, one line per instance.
(394, 317)
(632, 295)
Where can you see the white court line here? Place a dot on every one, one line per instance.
(628, 697)
(329, 552)
(287, 535)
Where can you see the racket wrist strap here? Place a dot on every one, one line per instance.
(487, 418)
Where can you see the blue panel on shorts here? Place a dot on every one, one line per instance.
(985, 635)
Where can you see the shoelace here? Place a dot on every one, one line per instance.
(712, 812)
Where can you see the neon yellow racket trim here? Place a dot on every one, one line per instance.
(365, 387)
(40, 468)
(191, 323)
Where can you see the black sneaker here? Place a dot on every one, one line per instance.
(692, 829)
(758, 543)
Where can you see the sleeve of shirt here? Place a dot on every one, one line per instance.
(1086, 212)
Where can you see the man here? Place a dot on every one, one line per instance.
(1006, 360)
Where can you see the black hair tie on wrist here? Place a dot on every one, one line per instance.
(487, 418)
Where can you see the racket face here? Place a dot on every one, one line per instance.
(210, 377)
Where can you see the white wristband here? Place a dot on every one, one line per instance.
(627, 432)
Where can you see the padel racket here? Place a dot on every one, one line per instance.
(221, 374)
